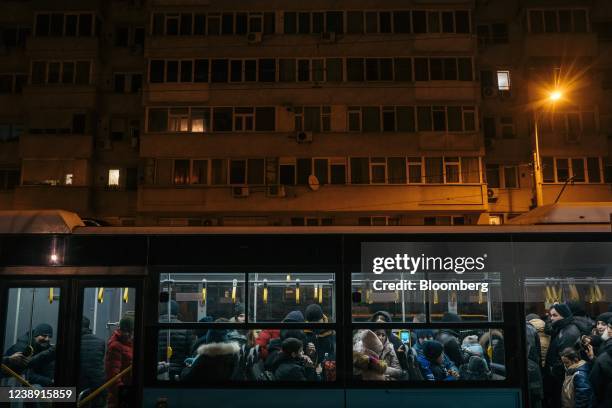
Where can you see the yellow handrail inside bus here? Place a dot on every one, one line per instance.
(13, 374)
(104, 386)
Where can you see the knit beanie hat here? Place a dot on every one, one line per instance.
(563, 310)
(386, 317)
(314, 313)
(43, 329)
(604, 317)
(371, 342)
(477, 365)
(294, 316)
(432, 349)
(424, 333)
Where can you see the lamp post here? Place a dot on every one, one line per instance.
(553, 97)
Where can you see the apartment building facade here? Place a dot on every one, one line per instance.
(187, 112)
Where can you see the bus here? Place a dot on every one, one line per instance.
(278, 316)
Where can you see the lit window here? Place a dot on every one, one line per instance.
(503, 80)
(113, 178)
(68, 180)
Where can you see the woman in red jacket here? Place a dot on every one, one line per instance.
(119, 357)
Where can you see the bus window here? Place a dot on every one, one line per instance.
(201, 297)
(377, 300)
(482, 303)
(106, 344)
(30, 336)
(274, 295)
(381, 354)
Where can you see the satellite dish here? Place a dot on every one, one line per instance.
(313, 182)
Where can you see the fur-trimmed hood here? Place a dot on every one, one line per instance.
(218, 349)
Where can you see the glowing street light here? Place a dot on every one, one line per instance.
(555, 95)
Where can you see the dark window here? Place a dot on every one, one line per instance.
(119, 83)
(303, 23)
(201, 70)
(304, 169)
(186, 24)
(548, 170)
(334, 69)
(158, 120)
(454, 119)
(57, 25)
(536, 21)
(433, 170)
(78, 123)
(338, 173)
(401, 21)
(265, 119)
(465, 69)
(290, 21)
(86, 25)
(38, 72)
(448, 23)
(396, 167)
(388, 121)
(297, 221)
(227, 24)
(131, 179)
(359, 170)
(71, 25)
(562, 170)
(53, 77)
(500, 33)
(424, 118)
(354, 22)
(267, 70)
(158, 24)
(320, 170)
(439, 118)
(593, 169)
(255, 171)
(136, 84)
(435, 69)
(287, 174)
(335, 21)
(580, 21)
(384, 22)
(82, 73)
(121, 36)
(42, 25)
(578, 170)
(199, 24)
(241, 23)
(156, 71)
(303, 74)
(421, 70)
(493, 179)
(488, 126)
(172, 68)
(269, 23)
(222, 119)
(219, 70)
(68, 73)
(371, 22)
(20, 81)
(405, 118)
(250, 70)
(550, 21)
(386, 69)
(354, 69)
(318, 22)
(370, 119)
(433, 21)
(450, 69)
(172, 25)
(419, 22)
(236, 71)
(372, 69)
(238, 172)
(218, 171)
(462, 21)
(187, 71)
(403, 69)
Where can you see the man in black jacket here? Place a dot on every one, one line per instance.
(291, 364)
(563, 334)
(40, 368)
(601, 374)
(91, 375)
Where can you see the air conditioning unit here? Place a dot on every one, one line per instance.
(276, 191)
(240, 192)
(489, 92)
(492, 194)
(303, 137)
(254, 38)
(328, 37)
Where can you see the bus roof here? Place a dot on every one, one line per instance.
(39, 222)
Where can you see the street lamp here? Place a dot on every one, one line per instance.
(553, 97)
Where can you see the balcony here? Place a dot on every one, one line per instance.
(114, 202)
(70, 198)
(329, 198)
(62, 47)
(561, 45)
(66, 96)
(450, 142)
(577, 192)
(50, 146)
(511, 200)
(516, 150)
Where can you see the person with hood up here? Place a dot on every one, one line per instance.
(274, 346)
(601, 373)
(601, 326)
(385, 317)
(216, 360)
(91, 362)
(40, 368)
(394, 369)
(476, 369)
(291, 364)
(450, 339)
(323, 340)
(540, 325)
(434, 364)
(577, 391)
(421, 335)
(119, 357)
(173, 346)
(367, 364)
(584, 323)
(563, 334)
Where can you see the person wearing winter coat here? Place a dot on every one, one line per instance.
(119, 357)
(584, 323)
(394, 370)
(535, 384)
(601, 327)
(91, 374)
(263, 339)
(450, 339)
(180, 340)
(323, 340)
(384, 317)
(492, 342)
(291, 364)
(40, 368)
(601, 373)
(367, 364)
(563, 334)
(577, 391)
(540, 325)
(476, 369)
(216, 360)
(434, 364)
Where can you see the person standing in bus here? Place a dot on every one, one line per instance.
(40, 368)
(539, 325)
(118, 358)
(323, 340)
(563, 334)
(577, 391)
(91, 374)
(601, 373)
(601, 327)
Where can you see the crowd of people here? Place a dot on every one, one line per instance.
(32, 358)
(569, 358)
